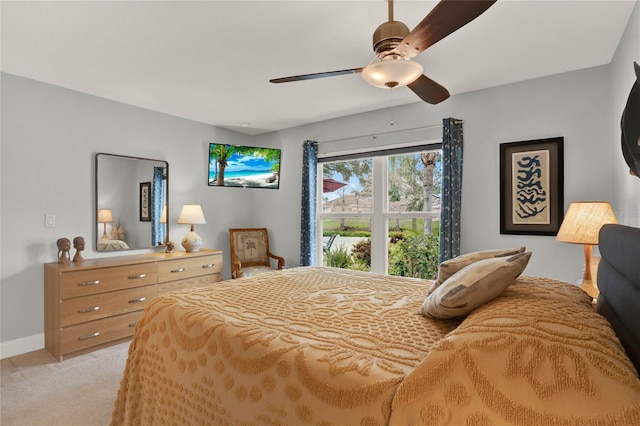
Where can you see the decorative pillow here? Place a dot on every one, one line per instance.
(451, 266)
(473, 286)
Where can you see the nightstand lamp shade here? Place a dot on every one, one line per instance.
(191, 214)
(582, 224)
(105, 216)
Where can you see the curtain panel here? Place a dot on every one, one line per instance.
(451, 200)
(158, 229)
(308, 210)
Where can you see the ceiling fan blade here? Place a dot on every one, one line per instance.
(428, 90)
(316, 75)
(447, 17)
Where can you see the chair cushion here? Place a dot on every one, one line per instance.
(251, 246)
(255, 270)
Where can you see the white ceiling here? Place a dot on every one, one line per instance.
(211, 61)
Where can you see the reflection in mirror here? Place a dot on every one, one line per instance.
(132, 196)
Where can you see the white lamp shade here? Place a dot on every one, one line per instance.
(191, 214)
(583, 221)
(105, 216)
(163, 215)
(392, 72)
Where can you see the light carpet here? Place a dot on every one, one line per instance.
(76, 392)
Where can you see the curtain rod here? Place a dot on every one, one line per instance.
(375, 135)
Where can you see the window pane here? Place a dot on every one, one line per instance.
(414, 182)
(347, 186)
(346, 242)
(413, 252)
(407, 205)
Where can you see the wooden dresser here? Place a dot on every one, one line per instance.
(97, 302)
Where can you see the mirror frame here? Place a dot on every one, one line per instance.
(97, 185)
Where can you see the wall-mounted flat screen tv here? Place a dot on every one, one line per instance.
(244, 166)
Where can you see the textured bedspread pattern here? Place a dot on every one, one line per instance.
(320, 346)
(316, 346)
(537, 355)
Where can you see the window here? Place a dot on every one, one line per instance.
(380, 213)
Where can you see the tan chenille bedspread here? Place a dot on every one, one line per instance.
(318, 346)
(321, 346)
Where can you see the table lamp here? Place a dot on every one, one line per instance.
(581, 225)
(191, 214)
(163, 215)
(105, 216)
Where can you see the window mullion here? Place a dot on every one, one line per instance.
(378, 223)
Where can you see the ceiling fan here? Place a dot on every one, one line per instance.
(394, 46)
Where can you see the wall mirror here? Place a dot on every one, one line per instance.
(132, 199)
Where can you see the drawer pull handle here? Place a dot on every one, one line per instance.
(89, 336)
(207, 266)
(86, 310)
(96, 282)
(133, 324)
(178, 270)
(138, 300)
(135, 277)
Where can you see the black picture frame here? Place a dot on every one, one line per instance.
(532, 186)
(145, 202)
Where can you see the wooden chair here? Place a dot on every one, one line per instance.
(250, 254)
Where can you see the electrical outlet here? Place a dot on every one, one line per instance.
(49, 221)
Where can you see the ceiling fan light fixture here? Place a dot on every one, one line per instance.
(392, 71)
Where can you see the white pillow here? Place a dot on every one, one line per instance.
(473, 286)
(451, 266)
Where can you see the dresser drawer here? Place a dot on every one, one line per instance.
(183, 268)
(97, 302)
(92, 281)
(94, 333)
(89, 308)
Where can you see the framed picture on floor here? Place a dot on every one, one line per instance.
(532, 186)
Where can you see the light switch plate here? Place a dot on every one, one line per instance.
(49, 221)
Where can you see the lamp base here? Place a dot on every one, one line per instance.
(192, 242)
(590, 288)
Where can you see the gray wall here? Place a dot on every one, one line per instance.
(573, 105)
(49, 138)
(50, 135)
(583, 106)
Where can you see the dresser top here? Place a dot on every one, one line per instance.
(129, 259)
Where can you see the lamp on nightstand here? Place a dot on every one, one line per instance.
(191, 214)
(581, 225)
(105, 216)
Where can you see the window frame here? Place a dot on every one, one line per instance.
(380, 215)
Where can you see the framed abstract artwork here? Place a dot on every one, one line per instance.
(145, 202)
(532, 186)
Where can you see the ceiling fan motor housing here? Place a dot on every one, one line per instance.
(388, 36)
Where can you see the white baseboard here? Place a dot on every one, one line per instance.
(21, 346)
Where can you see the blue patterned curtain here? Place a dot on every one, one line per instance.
(309, 193)
(158, 201)
(452, 139)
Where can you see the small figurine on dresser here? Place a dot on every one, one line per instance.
(78, 244)
(64, 246)
(170, 247)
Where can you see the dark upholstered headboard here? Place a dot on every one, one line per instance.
(619, 285)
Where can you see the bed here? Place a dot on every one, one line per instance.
(324, 346)
(111, 245)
